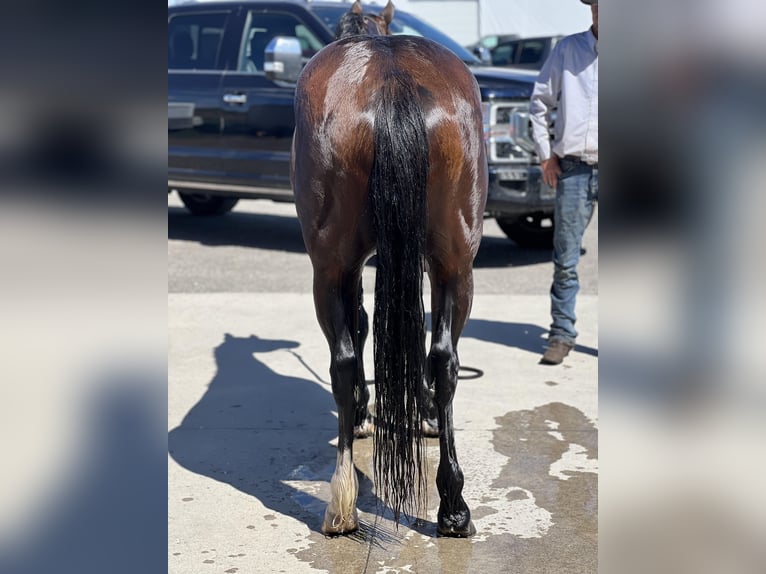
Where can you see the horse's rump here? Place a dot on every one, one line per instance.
(337, 99)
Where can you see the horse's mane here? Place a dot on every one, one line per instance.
(351, 24)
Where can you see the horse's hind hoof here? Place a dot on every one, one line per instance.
(453, 531)
(335, 524)
(364, 430)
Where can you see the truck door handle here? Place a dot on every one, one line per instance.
(235, 98)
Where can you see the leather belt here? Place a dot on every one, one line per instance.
(576, 159)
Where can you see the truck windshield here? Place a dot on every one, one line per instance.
(403, 24)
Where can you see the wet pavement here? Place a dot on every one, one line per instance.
(252, 431)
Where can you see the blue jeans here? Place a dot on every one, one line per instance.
(575, 198)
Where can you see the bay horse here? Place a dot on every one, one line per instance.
(389, 159)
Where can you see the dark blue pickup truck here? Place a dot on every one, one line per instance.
(232, 68)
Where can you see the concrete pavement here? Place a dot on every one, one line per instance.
(252, 429)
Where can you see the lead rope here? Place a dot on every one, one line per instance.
(473, 373)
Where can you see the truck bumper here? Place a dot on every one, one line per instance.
(518, 190)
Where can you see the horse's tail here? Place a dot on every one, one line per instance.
(398, 197)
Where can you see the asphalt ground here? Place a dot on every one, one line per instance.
(252, 423)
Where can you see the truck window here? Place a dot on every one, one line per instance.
(261, 27)
(194, 41)
(310, 43)
(504, 54)
(532, 52)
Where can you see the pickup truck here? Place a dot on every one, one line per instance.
(530, 53)
(232, 68)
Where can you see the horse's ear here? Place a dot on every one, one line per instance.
(356, 8)
(388, 12)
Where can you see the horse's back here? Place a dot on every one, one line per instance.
(354, 70)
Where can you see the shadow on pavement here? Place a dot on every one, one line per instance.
(283, 233)
(264, 231)
(257, 431)
(104, 508)
(525, 336)
(502, 252)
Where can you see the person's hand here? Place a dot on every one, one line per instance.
(551, 171)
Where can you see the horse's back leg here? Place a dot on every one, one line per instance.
(451, 295)
(363, 426)
(337, 299)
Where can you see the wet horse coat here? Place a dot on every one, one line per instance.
(389, 158)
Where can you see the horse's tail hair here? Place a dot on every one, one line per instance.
(398, 198)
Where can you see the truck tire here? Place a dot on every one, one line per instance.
(203, 204)
(533, 230)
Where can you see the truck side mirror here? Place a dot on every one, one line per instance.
(483, 53)
(283, 59)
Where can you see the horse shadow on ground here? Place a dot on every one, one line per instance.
(258, 431)
(102, 508)
(265, 231)
(525, 336)
(261, 432)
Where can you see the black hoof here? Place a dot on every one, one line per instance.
(453, 532)
(455, 525)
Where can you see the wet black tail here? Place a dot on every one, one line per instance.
(398, 193)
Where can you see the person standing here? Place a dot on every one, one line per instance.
(568, 83)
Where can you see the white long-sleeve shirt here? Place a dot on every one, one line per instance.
(568, 81)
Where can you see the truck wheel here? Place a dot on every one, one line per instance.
(533, 230)
(203, 204)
